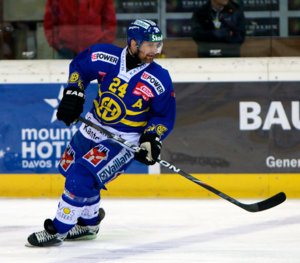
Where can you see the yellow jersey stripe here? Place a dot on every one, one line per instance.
(134, 123)
(133, 113)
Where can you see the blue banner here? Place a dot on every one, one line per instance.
(32, 140)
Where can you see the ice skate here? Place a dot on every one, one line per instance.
(82, 231)
(47, 237)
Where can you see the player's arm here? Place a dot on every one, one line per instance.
(81, 73)
(162, 118)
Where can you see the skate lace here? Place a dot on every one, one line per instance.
(43, 236)
(77, 230)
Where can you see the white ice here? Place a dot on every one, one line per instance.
(159, 230)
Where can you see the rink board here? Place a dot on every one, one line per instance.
(163, 185)
(213, 134)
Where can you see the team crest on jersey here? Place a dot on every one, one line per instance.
(111, 108)
(67, 158)
(96, 155)
(102, 56)
(154, 82)
(76, 79)
(160, 129)
(143, 90)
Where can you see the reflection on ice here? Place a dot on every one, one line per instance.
(159, 230)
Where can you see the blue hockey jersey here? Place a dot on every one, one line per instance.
(140, 100)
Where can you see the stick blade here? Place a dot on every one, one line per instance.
(271, 202)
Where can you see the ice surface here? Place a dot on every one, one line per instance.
(159, 230)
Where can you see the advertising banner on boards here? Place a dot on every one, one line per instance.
(182, 6)
(239, 127)
(135, 6)
(262, 27)
(32, 140)
(231, 127)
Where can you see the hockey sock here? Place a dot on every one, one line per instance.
(90, 213)
(79, 188)
(66, 215)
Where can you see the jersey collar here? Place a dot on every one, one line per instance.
(126, 76)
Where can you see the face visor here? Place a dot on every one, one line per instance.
(153, 46)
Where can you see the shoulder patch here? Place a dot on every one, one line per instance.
(154, 82)
(160, 129)
(76, 79)
(102, 56)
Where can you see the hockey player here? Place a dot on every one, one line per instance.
(135, 101)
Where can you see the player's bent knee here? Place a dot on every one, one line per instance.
(80, 181)
(106, 161)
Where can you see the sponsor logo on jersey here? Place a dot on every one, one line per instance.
(141, 23)
(156, 38)
(109, 58)
(108, 172)
(90, 132)
(154, 82)
(96, 155)
(173, 94)
(67, 158)
(143, 90)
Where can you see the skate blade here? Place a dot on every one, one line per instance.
(31, 246)
(90, 237)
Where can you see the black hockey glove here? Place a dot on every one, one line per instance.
(150, 145)
(71, 105)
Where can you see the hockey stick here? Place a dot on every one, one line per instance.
(256, 207)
